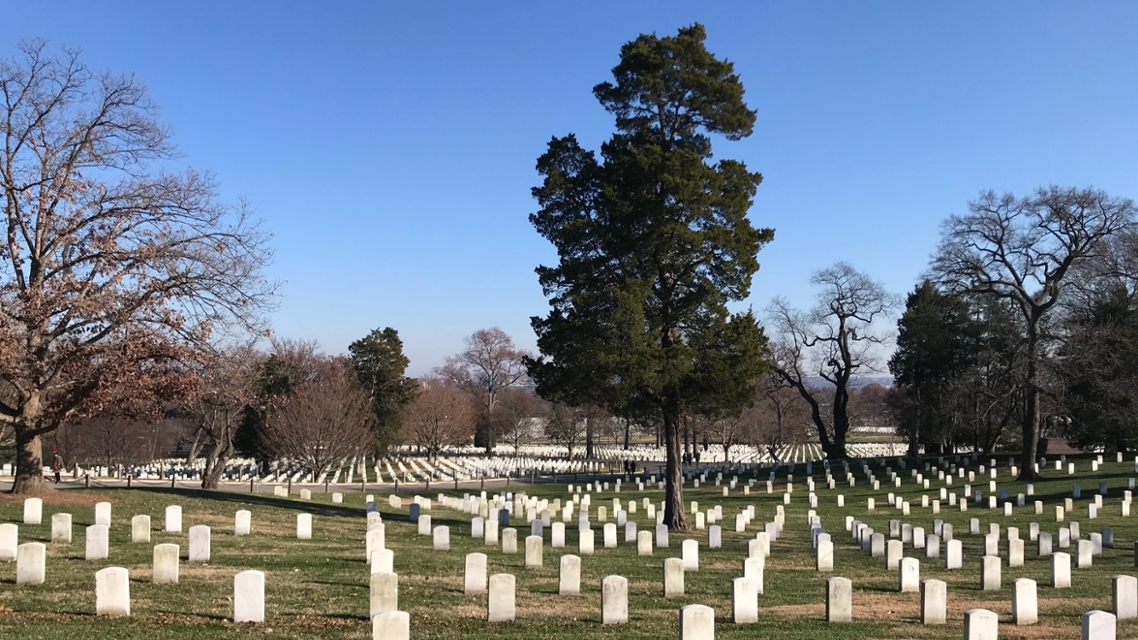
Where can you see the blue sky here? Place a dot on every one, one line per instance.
(390, 147)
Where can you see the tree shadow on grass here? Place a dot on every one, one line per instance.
(345, 616)
(336, 583)
(208, 616)
(254, 499)
(299, 506)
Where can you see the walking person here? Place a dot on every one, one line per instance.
(56, 464)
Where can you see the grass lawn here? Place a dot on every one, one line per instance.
(319, 588)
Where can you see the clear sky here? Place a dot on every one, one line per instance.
(390, 147)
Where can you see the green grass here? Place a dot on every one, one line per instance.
(319, 588)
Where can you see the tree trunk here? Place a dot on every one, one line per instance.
(1031, 417)
(778, 421)
(674, 475)
(914, 423)
(627, 433)
(195, 447)
(491, 439)
(29, 464)
(816, 418)
(841, 423)
(588, 439)
(215, 465)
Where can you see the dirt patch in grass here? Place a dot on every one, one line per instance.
(452, 611)
(817, 611)
(458, 582)
(199, 570)
(60, 497)
(320, 622)
(866, 606)
(1031, 632)
(791, 562)
(38, 615)
(1081, 604)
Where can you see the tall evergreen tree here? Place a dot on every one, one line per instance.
(653, 242)
(937, 340)
(1099, 370)
(380, 365)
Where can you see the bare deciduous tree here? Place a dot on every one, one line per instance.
(114, 439)
(439, 416)
(1022, 250)
(566, 425)
(322, 421)
(109, 273)
(489, 365)
(779, 416)
(228, 388)
(518, 418)
(833, 342)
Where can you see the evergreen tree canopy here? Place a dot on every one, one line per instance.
(1099, 369)
(653, 241)
(380, 365)
(937, 340)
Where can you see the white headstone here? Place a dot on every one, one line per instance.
(199, 543)
(475, 577)
(61, 528)
(673, 577)
(112, 591)
(304, 526)
(569, 579)
(243, 526)
(1025, 603)
(140, 529)
(1124, 592)
(981, 624)
(744, 600)
(384, 593)
(382, 561)
(33, 510)
(954, 554)
(441, 538)
(586, 541)
(1086, 554)
(173, 519)
(909, 575)
(1061, 570)
(934, 602)
(824, 559)
(533, 552)
(697, 622)
(644, 543)
(614, 600)
(98, 545)
(839, 600)
(689, 551)
(500, 607)
(31, 563)
(249, 596)
(165, 567)
(1099, 625)
(103, 513)
(714, 537)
